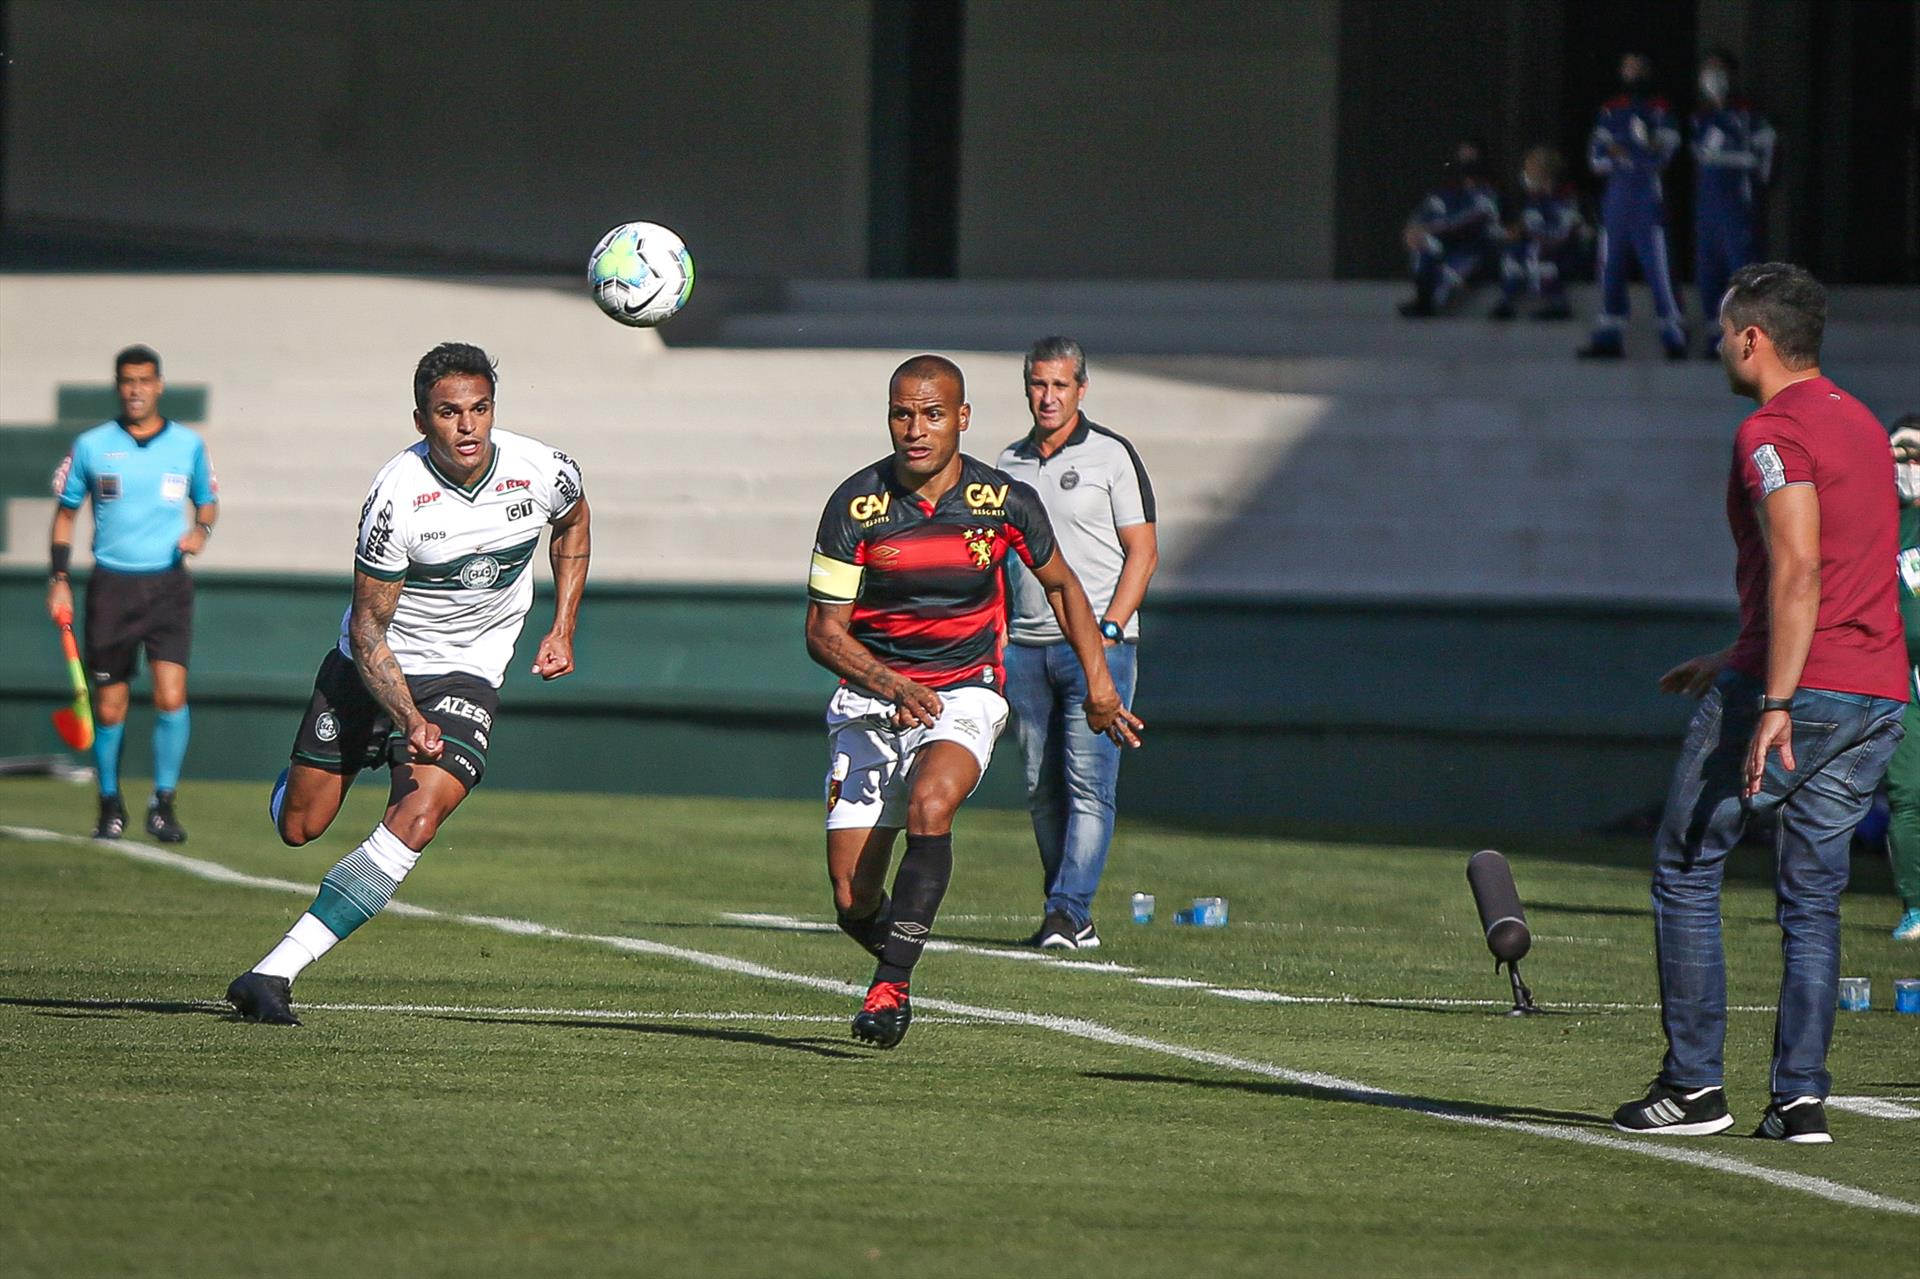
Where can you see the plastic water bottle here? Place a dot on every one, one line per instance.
(1184, 915)
(1906, 995)
(1143, 908)
(1856, 994)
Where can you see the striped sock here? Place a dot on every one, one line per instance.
(351, 893)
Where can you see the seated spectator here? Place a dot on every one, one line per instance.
(1543, 246)
(1454, 234)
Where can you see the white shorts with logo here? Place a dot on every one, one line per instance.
(869, 761)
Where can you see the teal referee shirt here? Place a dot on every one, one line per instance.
(144, 494)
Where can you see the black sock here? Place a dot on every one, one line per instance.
(918, 887)
(869, 930)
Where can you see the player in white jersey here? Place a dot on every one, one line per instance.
(440, 592)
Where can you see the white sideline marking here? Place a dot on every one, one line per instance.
(1079, 1028)
(794, 924)
(1875, 1107)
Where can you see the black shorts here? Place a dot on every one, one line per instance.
(345, 730)
(128, 610)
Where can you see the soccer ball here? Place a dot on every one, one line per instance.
(640, 273)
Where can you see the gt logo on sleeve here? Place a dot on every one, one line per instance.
(1773, 476)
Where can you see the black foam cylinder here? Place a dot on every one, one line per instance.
(1500, 911)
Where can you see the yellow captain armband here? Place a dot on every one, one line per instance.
(833, 581)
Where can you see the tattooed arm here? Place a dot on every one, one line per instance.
(831, 643)
(373, 605)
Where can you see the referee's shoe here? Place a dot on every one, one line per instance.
(1675, 1112)
(161, 823)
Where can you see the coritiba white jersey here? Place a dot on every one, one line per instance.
(463, 553)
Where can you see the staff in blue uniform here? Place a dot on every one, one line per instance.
(1633, 141)
(153, 495)
(1453, 234)
(1733, 161)
(1543, 245)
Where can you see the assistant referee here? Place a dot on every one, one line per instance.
(154, 503)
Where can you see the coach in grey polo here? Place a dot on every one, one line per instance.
(1096, 491)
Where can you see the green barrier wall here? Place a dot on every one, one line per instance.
(1494, 717)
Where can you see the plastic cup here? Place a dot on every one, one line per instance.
(1856, 994)
(1143, 908)
(1906, 995)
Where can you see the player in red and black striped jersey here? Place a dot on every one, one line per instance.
(906, 604)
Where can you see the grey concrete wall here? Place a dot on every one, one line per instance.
(1149, 138)
(493, 127)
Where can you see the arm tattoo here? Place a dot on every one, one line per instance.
(373, 605)
(836, 649)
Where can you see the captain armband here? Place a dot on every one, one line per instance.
(833, 581)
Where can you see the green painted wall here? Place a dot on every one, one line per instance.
(1494, 717)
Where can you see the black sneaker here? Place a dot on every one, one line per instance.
(264, 999)
(1802, 1120)
(161, 823)
(1698, 1112)
(1056, 933)
(883, 1020)
(113, 818)
(1087, 938)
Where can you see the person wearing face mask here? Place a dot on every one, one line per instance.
(1903, 774)
(1453, 234)
(1632, 143)
(1733, 161)
(1542, 244)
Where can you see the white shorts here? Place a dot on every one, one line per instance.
(869, 761)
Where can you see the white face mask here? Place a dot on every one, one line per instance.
(1906, 477)
(1713, 83)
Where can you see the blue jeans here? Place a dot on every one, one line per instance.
(1841, 744)
(1072, 771)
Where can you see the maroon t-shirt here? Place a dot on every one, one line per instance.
(1814, 433)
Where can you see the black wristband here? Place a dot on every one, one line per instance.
(1776, 704)
(60, 556)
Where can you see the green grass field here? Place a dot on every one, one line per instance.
(655, 1086)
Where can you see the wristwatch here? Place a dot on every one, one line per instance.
(1775, 704)
(1113, 630)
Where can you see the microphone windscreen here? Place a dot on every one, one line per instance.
(1501, 914)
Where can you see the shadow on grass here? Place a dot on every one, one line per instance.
(104, 1008)
(815, 1046)
(1360, 1097)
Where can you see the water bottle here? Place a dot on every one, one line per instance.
(1210, 912)
(1856, 994)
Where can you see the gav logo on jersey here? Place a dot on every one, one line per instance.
(987, 498)
(480, 572)
(870, 507)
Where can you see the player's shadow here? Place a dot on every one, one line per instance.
(814, 1046)
(1360, 1097)
(104, 1009)
(1570, 908)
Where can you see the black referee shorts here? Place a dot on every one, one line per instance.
(128, 610)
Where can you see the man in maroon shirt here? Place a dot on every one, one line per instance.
(1798, 717)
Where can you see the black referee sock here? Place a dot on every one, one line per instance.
(869, 930)
(917, 889)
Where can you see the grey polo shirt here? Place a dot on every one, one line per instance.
(1093, 487)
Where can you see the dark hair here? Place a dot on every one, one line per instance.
(930, 367)
(1057, 348)
(1784, 302)
(138, 353)
(448, 360)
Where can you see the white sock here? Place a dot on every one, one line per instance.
(305, 942)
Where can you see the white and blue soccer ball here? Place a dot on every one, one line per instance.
(640, 273)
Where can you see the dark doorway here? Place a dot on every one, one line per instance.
(913, 187)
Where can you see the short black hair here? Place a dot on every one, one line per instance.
(1784, 302)
(450, 359)
(138, 353)
(930, 367)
